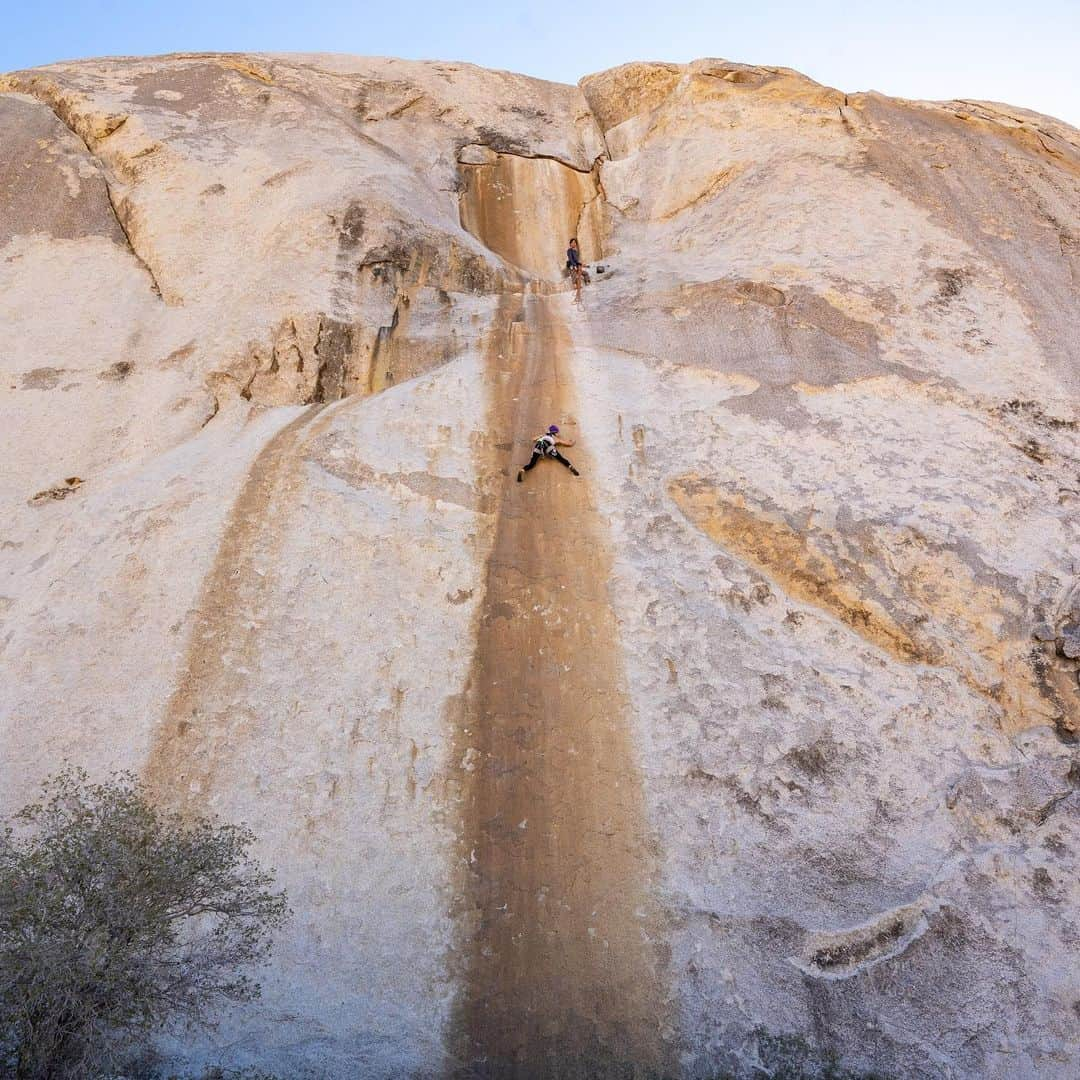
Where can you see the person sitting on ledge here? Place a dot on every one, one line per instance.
(573, 256)
(574, 266)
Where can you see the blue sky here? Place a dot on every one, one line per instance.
(1024, 54)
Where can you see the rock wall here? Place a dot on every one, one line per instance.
(752, 748)
(521, 207)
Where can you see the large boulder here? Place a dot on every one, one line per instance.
(754, 747)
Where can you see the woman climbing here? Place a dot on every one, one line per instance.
(547, 445)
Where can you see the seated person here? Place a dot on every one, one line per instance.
(573, 260)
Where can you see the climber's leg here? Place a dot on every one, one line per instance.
(525, 468)
(562, 461)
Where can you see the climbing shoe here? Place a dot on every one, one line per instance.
(574, 471)
(521, 475)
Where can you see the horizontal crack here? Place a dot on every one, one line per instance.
(528, 156)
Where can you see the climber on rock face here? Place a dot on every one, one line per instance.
(573, 255)
(547, 445)
(575, 267)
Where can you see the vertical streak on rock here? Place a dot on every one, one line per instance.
(207, 724)
(562, 976)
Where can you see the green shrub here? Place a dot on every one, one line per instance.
(118, 921)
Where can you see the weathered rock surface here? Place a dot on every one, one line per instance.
(755, 744)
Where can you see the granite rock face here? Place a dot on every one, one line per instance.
(754, 747)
